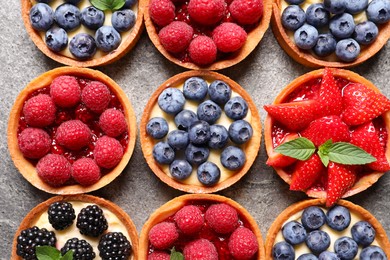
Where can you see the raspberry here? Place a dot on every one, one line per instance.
(229, 37)
(32, 237)
(96, 96)
(34, 143)
(65, 91)
(54, 169)
(159, 255)
(39, 111)
(246, 11)
(85, 171)
(163, 235)
(61, 215)
(200, 249)
(176, 36)
(73, 134)
(206, 12)
(112, 122)
(202, 50)
(189, 219)
(162, 12)
(222, 218)
(243, 243)
(108, 152)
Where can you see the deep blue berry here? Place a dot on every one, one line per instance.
(178, 139)
(157, 127)
(73, 2)
(92, 17)
(338, 218)
(347, 50)
(313, 218)
(363, 233)
(317, 15)
(372, 253)
(283, 251)
(107, 38)
(82, 46)
(355, 6)
(326, 255)
(219, 92)
(196, 154)
(345, 248)
(199, 132)
(67, 16)
(307, 256)
(326, 45)
(236, 108)
(209, 111)
(295, 2)
(293, 17)
(163, 153)
(195, 88)
(123, 20)
(335, 6)
(185, 119)
(240, 131)
(233, 158)
(294, 232)
(171, 101)
(306, 36)
(56, 39)
(219, 137)
(129, 4)
(208, 173)
(180, 169)
(41, 17)
(378, 11)
(342, 26)
(365, 32)
(318, 241)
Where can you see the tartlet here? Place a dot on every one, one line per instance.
(33, 216)
(250, 148)
(27, 167)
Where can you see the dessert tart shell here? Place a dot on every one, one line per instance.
(253, 39)
(251, 149)
(172, 206)
(365, 181)
(307, 59)
(276, 226)
(27, 169)
(126, 45)
(36, 212)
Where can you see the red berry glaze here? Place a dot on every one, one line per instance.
(176, 36)
(200, 249)
(189, 219)
(222, 218)
(159, 255)
(73, 134)
(246, 11)
(229, 37)
(65, 91)
(85, 171)
(163, 235)
(96, 96)
(202, 50)
(243, 244)
(54, 169)
(108, 152)
(34, 143)
(113, 122)
(206, 12)
(39, 111)
(162, 12)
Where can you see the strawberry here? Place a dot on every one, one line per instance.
(330, 127)
(279, 160)
(330, 98)
(306, 173)
(366, 137)
(340, 179)
(362, 104)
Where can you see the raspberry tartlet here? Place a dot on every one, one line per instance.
(71, 131)
(209, 35)
(202, 226)
(62, 220)
(346, 230)
(329, 104)
(200, 132)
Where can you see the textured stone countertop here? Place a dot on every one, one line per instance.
(138, 191)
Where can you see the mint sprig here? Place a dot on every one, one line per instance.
(176, 255)
(52, 253)
(108, 4)
(300, 148)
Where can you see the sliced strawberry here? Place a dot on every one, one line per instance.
(330, 127)
(279, 160)
(330, 97)
(340, 179)
(306, 173)
(362, 104)
(366, 137)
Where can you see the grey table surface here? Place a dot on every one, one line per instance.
(137, 190)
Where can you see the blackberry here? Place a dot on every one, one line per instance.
(114, 245)
(91, 221)
(32, 237)
(61, 215)
(82, 250)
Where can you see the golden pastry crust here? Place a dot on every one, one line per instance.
(365, 181)
(251, 147)
(172, 206)
(307, 59)
(36, 212)
(276, 226)
(126, 45)
(27, 169)
(254, 37)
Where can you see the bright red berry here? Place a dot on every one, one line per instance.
(96, 96)
(65, 91)
(163, 235)
(108, 152)
(229, 37)
(340, 179)
(189, 219)
(34, 143)
(200, 249)
(39, 111)
(306, 173)
(113, 122)
(279, 160)
(330, 97)
(206, 12)
(202, 50)
(222, 218)
(246, 11)
(54, 169)
(243, 243)
(162, 12)
(176, 36)
(159, 255)
(85, 171)
(73, 134)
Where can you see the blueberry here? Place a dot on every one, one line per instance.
(306, 37)
(240, 131)
(82, 46)
(363, 233)
(378, 11)
(219, 137)
(73, 2)
(342, 25)
(317, 15)
(195, 88)
(347, 50)
(293, 17)
(236, 108)
(313, 218)
(163, 153)
(372, 253)
(67, 16)
(107, 38)
(209, 111)
(355, 6)
(178, 139)
(208, 173)
(326, 45)
(171, 101)
(196, 154)
(199, 132)
(335, 6)
(295, 2)
(307, 256)
(123, 20)
(180, 169)
(283, 251)
(326, 255)
(129, 4)
(185, 119)
(56, 39)
(41, 17)
(294, 233)
(365, 32)
(219, 92)
(233, 158)
(157, 127)
(338, 218)
(318, 241)
(345, 248)
(92, 18)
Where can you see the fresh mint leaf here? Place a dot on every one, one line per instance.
(108, 4)
(323, 152)
(176, 255)
(47, 253)
(68, 255)
(324, 158)
(349, 154)
(300, 148)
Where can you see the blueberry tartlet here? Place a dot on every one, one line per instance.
(71, 131)
(200, 132)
